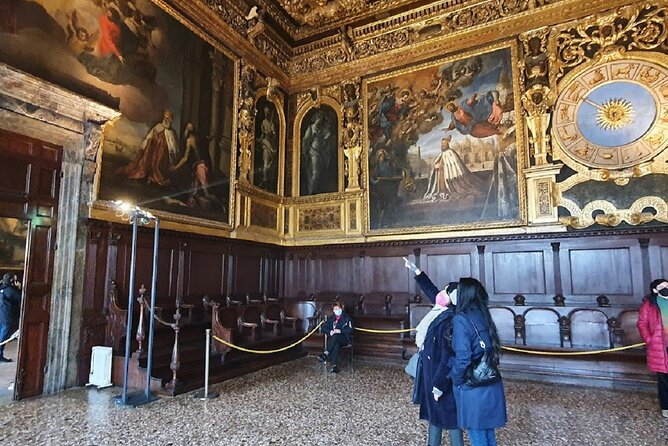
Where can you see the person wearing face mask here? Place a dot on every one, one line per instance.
(653, 328)
(339, 328)
(433, 337)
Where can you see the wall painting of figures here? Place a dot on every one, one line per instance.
(171, 149)
(445, 144)
(319, 157)
(268, 149)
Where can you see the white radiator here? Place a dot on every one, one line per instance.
(100, 367)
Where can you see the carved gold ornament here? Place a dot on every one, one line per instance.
(611, 216)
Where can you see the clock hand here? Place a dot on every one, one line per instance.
(593, 104)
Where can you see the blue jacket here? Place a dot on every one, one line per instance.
(345, 324)
(436, 356)
(477, 407)
(10, 302)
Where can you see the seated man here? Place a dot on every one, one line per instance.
(339, 327)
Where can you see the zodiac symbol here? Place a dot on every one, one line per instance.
(654, 140)
(625, 72)
(598, 77)
(583, 151)
(648, 77)
(565, 136)
(574, 92)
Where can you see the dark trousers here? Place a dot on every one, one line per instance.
(662, 380)
(334, 344)
(5, 333)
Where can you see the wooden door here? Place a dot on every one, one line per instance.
(29, 187)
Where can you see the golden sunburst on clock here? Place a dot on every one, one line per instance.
(609, 115)
(615, 114)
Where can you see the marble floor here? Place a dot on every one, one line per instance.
(298, 403)
(8, 373)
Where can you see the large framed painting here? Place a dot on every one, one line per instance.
(445, 144)
(269, 143)
(319, 157)
(171, 150)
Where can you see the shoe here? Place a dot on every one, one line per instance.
(322, 358)
(664, 413)
(335, 369)
(3, 359)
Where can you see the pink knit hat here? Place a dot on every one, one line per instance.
(442, 299)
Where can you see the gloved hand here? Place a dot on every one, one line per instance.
(411, 266)
(437, 393)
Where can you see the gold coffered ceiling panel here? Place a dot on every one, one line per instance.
(316, 13)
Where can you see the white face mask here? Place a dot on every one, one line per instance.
(453, 297)
(338, 311)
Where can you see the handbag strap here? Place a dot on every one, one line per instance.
(482, 343)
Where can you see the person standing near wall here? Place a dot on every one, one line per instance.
(433, 338)
(481, 409)
(653, 328)
(10, 302)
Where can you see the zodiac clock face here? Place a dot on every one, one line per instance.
(613, 115)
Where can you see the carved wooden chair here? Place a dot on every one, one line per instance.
(250, 323)
(271, 318)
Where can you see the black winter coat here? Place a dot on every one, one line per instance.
(436, 355)
(10, 302)
(344, 324)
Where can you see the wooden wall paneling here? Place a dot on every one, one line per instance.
(290, 285)
(658, 254)
(338, 274)
(247, 273)
(205, 271)
(449, 264)
(524, 268)
(602, 267)
(93, 320)
(388, 274)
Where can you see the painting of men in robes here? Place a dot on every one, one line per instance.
(171, 149)
(319, 169)
(265, 159)
(447, 129)
(157, 154)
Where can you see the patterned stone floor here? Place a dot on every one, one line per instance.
(297, 404)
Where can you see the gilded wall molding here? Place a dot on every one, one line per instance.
(408, 42)
(409, 36)
(611, 216)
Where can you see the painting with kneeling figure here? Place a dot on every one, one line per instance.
(443, 144)
(171, 148)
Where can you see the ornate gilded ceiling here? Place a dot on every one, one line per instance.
(297, 41)
(318, 16)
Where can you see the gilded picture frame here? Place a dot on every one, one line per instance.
(278, 102)
(303, 112)
(106, 209)
(478, 94)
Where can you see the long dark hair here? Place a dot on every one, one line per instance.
(471, 296)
